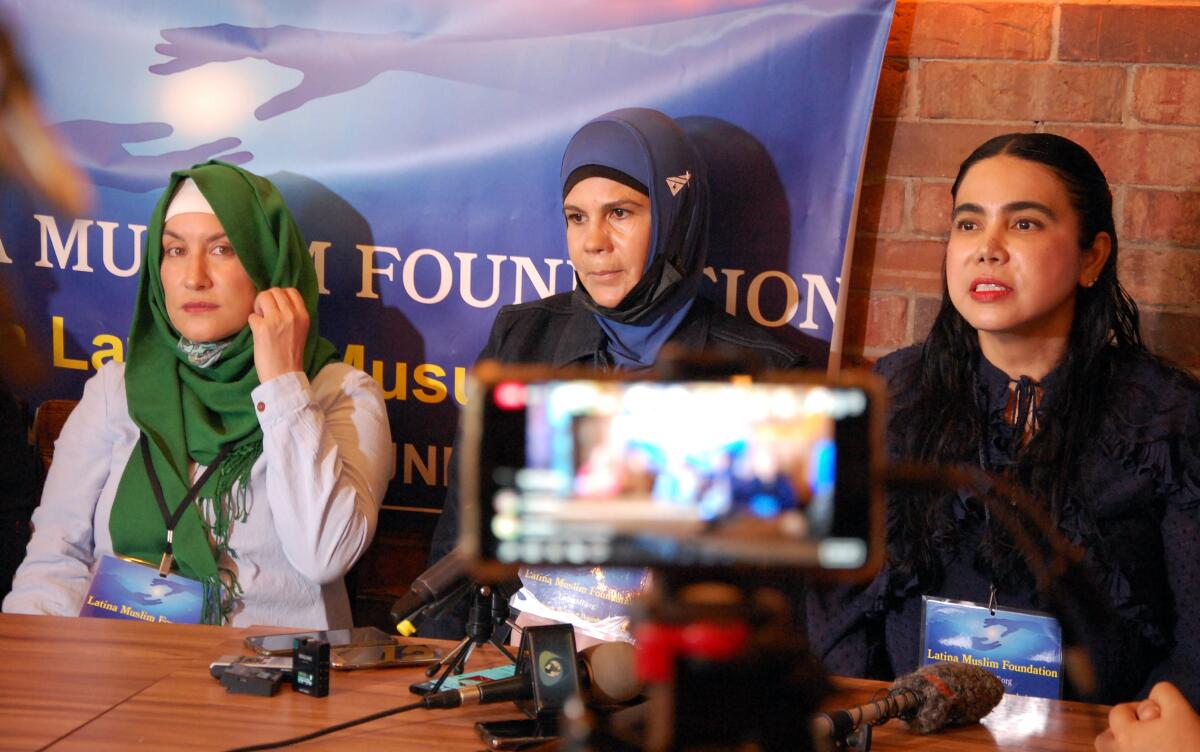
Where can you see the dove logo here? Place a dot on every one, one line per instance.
(679, 182)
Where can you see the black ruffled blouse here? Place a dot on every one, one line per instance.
(1133, 508)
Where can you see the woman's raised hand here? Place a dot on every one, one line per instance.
(280, 325)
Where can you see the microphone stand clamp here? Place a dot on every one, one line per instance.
(858, 740)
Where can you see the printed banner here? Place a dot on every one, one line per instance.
(418, 144)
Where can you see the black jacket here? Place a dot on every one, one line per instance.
(553, 331)
(1131, 512)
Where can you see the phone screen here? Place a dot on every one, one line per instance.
(598, 471)
(283, 643)
(369, 656)
(515, 734)
(469, 679)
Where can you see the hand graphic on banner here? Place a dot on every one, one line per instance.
(331, 62)
(334, 62)
(99, 147)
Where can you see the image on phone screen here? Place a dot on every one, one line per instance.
(278, 644)
(468, 679)
(515, 734)
(378, 656)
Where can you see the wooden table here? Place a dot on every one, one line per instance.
(1017, 723)
(105, 684)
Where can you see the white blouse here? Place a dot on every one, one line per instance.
(311, 508)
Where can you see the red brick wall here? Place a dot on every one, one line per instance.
(1122, 78)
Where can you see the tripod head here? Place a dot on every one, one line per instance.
(489, 611)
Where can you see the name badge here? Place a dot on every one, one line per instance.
(1022, 648)
(595, 600)
(123, 588)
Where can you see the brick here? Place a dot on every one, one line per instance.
(925, 310)
(1175, 336)
(894, 96)
(931, 208)
(876, 321)
(1022, 91)
(1010, 31)
(1163, 216)
(903, 265)
(1170, 96)
(1132, 34)
(1143, 156)
(881, 207)
(926, 149)
(1160, 277)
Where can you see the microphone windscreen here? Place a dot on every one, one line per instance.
(612, 673)
(951, 694)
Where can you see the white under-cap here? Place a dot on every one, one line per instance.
(188, 200)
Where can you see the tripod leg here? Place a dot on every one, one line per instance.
(451, 664)
(449, 658)
(466, 656)
(503, 648)
(459, 664)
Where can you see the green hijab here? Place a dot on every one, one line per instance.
(189, 413)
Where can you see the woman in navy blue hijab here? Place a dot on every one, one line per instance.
(635, 203)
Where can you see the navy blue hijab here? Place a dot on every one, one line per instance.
(652, 150)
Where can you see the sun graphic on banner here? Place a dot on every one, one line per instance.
(207, 102)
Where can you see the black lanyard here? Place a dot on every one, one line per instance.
(169, 519)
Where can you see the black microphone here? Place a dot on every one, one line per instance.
(606, 672)
(438, 582)
(930, 699)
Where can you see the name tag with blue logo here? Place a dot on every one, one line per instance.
(1022, 648)
(129, 589)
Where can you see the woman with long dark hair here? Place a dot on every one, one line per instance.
(1035, 370)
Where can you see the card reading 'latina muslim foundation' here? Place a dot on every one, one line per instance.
(128, 589)
(1022, 648)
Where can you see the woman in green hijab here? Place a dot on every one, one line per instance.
(233, 451)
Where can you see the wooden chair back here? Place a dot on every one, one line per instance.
(47, 424)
